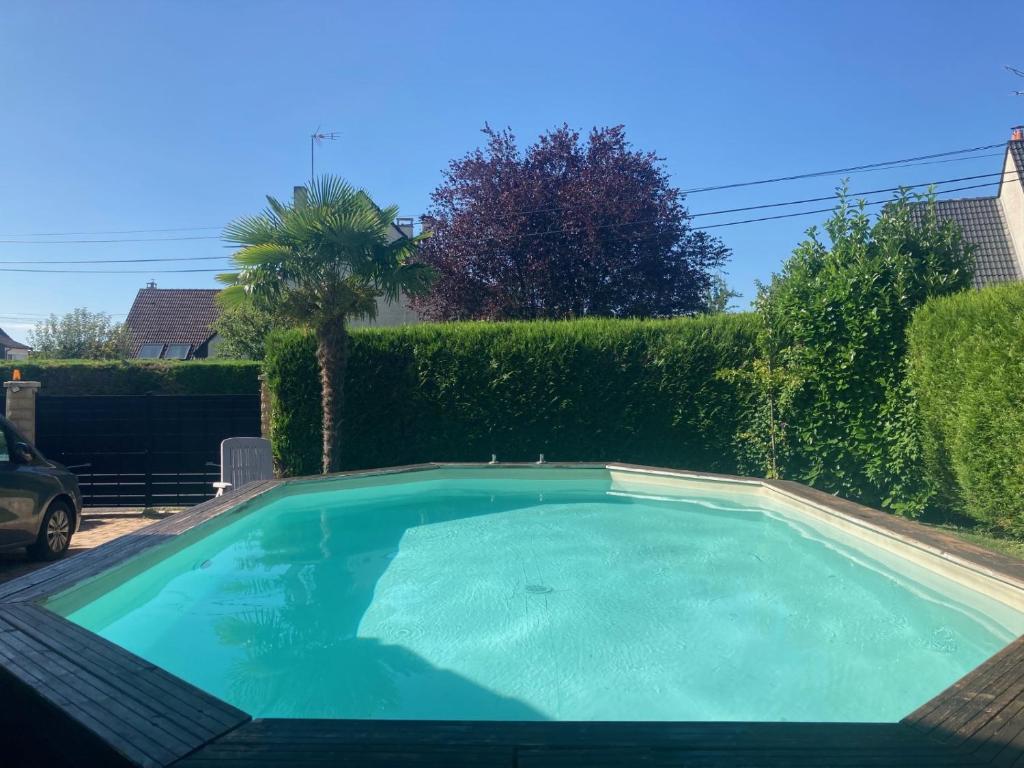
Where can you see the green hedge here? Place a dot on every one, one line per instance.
(137, 377)
(966, 368)
(628, 390)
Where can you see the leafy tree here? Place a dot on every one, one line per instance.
(719, 296)
(243, 330)
(320, 263)
(564, 229)
(833, 345)
(80, 334)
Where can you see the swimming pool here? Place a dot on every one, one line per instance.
(546, 594)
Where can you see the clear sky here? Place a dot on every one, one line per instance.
(157, 115)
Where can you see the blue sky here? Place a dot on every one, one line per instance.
(154, 115)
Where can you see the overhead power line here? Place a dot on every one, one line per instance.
(115, 240)
(858, 194)
(532, 234)
(116, 261)
(109, 232)
(849, 169)
(886, 165)
(693, 215)
(822, 210)
(899, 167)
(107, 271)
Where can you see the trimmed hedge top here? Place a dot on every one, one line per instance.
(137, 377)
(594, 389)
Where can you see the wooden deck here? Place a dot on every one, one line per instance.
(86, 701)
(303, 743)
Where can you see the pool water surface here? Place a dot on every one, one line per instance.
(554, 594)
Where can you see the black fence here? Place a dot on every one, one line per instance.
(143, 450)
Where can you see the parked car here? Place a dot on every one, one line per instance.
(40, 502)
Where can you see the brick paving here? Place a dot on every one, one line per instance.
(98, 527)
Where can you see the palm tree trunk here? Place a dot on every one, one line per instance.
(332, 354)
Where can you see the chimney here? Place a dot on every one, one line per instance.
(300, 197)
(404, 225)
(151, 284)
(1017, 133)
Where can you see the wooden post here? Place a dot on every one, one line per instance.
(21, 406)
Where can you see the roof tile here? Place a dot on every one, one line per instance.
(172, 316)
(983, 225)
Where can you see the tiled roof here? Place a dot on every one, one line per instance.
(9, 343)
(983, 225)
(172, 316)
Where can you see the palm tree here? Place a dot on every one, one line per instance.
(319, 263)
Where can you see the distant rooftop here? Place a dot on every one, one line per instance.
(178, 320)
(9, 343)
(984, 226)
(994, 225)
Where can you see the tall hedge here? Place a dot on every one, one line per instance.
(966, 370)
(835, 321)
(137, 377)
(629, 390)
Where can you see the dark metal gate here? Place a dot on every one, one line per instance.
(143, 450)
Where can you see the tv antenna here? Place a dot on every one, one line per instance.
(1018, 73)
(316, 138)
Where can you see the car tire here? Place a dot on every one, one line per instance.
(54, 534)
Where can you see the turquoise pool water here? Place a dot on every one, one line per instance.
(539, 594)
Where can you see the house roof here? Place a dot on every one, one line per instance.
(9, 343)
(172, 316)
(984, 226)
(983, 222)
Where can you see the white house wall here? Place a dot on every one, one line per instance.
(1011, 198)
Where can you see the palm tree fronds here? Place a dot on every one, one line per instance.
(319, 264)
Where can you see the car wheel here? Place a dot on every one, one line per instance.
(54, 534)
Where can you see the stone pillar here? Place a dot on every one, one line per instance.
(21, 406)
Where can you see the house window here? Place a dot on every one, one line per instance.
(177, 351)
(151, 350)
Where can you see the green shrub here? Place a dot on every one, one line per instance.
(137, 377)
(627, 390)
(966, 371)
(293, 380)
(833, 346)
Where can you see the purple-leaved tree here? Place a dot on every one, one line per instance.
(566, 228)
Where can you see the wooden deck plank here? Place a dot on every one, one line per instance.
(188, 708)
(1012, 752)
(536, 745)
(148, 678)
(970, 722)
(138, 718)
(87, 711)
(985, 702)
(693, 735)
(992, 740)
(142, 725)
(966, 690)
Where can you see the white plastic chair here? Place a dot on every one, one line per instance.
(244, 460)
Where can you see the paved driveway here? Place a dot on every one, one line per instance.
(98, 527)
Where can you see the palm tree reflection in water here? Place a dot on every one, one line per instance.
(308, 579)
